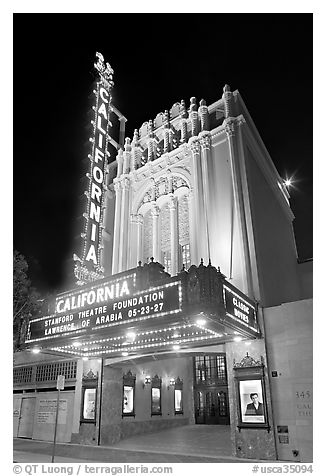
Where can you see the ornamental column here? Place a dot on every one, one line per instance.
(239, 203)
(174, 235)
(167, 143)
(136, 153)
(152, 145)
(119, 162)
(197, 198)
(193, 115)
(140, 238)
(203, 116)
(132, 244)
(123, 244)
(117, 219)
(205, 142)
(156, 240)
(184, 115)
(192, 228)
(126, 157)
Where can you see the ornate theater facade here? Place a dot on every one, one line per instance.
(189, 296)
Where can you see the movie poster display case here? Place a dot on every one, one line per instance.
(251, 394)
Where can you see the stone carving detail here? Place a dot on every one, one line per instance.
(194, 146)
(175, 110)
(90, 375)
(248, 361)
(129, 378)
(178, 182)
(205, 141)
(227, 95)
(203, 285)
(159, 119)
(143, 129)
(163, 187)
(229, 128)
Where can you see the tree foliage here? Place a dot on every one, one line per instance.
(26, 300)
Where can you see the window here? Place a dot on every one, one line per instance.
(166, 259)
(156, 396)
(210, 368)
(48, 372)
(22, 375)
(185, 253)
(128, 394)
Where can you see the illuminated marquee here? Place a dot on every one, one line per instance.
(89, 268)
(240, 310)
(87, 298)
(128, 307)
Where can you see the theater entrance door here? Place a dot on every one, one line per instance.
(210, 390)
(211, 406)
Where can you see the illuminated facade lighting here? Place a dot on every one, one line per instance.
(201, 322)
(237, 339)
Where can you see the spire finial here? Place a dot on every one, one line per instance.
(193, 105)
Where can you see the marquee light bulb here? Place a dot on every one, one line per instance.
(131, 336)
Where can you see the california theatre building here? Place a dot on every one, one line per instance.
(190, 306)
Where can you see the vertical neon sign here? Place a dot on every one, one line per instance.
(88, 268)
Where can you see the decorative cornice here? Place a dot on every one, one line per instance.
(90, 375)
(194, 145)
(228, 125)
(205, 139)
(248, 361)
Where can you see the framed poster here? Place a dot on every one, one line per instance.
(89, 404)
(156, 408)
(89, 398)
(128, 394)
(251, 394)
(251, 401)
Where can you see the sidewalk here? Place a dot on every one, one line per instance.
(41, 452)
(186, 444)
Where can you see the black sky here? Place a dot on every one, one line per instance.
(158, 59)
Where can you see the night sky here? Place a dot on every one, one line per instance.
(158, 59)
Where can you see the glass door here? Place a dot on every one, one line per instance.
(210, 390)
